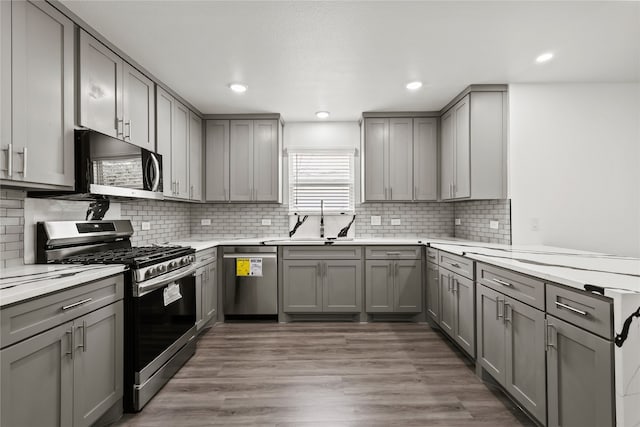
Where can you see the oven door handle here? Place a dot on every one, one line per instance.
(141, 289)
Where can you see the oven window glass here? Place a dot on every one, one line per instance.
(158, 325)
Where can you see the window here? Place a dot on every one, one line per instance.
(316, 175)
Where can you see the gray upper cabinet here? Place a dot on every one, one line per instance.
(180, 151)
(217, 160)
(400, 161)
(138, 111)
(473, 147)
(100, 88)
(37, 124)
(580, 380)
(195, 157)
(164, 130)
(115, 98)
(425, 158)
(393, 286)
(254, 161)
(328, 286)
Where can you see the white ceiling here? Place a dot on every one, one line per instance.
(347, 57)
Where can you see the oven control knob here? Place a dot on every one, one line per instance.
(150, 272)
(162, 268)
(184, 260)
(191, 259)
(173, 264)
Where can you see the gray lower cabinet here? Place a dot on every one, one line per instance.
(66, 376)
(329, 286)
(393, 286)
(457, 318)
(433, 292)
(210, 292)
(511, 348)
(579, 377)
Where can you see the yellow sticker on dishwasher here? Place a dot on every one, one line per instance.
(243, 266)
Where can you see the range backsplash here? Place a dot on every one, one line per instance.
(474, 218)
(11, 227)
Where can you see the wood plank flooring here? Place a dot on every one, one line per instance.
(326, 374)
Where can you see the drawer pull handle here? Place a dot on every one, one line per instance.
(455, 264)
(432, 256)
(503, 283)
(75, 304)
(393, 253)
(568, 307)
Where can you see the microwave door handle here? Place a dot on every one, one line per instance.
(145, 173)
(156, 174)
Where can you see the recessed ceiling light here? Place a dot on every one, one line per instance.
(544, 57)
(238, 87)
(322, 114)
(414, 85)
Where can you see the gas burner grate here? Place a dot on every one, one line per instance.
(131, 256)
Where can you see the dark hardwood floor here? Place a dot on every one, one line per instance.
(326, 374)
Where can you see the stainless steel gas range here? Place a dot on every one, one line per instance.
(160, 300)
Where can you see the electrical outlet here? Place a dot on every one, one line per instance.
(395, 221)
(458, 221)
(376, 220)
(266, 221)
(494, 225)
(205, 221)
(146, 226)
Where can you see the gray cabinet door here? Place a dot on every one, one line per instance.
(433, 292)
(200, 296)
(98, 374)
(180, 150)
(265, 161)
(164, 130)
(462, 181)
(42, 70)
(217, 161)
(376, 137)
(5, 87)
(525, 356)
(210, 292)
(407, 286)
(425, 158)
(379, 292)
(465, 322)
(342, 286)
(400, 159)
(580, 377)
(241, 160)
(138, 108)
(491, 332)
(302, 286)
(37, 380)
(447, 155)
(100, 87)
(447, 302)
(195, 157)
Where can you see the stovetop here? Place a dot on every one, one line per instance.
(136, 257)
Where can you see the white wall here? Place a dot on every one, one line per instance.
(321, 135)
(574, 154)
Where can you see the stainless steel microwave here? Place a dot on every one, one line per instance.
(106, 166)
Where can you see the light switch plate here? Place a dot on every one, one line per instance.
(458, 221)
(266, 221)
(494, 225)
(146, 226)
(205, 221)
(376, 220)
(395, 221)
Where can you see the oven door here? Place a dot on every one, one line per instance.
(164, 318)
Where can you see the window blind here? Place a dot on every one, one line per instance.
(321, 175)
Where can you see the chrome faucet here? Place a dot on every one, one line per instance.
(321, 219)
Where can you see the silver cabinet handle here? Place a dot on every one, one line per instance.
(507, 308)
(76, 304)
(24, 161)
(319, 269)
(191, 192)
(83, 346)
(455, 264)
(454, 285)
(9, 168)
(393, 253)
(500, 304)
(71, 346)
(497, 308)
(453, 189)
(128, 126)
(568, 307)
(449, 283)
(118, 133)
(549, 334)
(431, 256)
(390, 193)
(502, 282)
(397, 268)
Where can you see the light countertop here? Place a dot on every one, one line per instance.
(21, 283)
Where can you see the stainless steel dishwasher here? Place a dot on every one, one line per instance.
(250, 281)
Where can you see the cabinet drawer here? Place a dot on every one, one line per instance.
(32, 317)
(432, 255)
(456, 263)
(206, 256)
(580, 308)
(393, 252)
(322, 252)
(520, 287)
